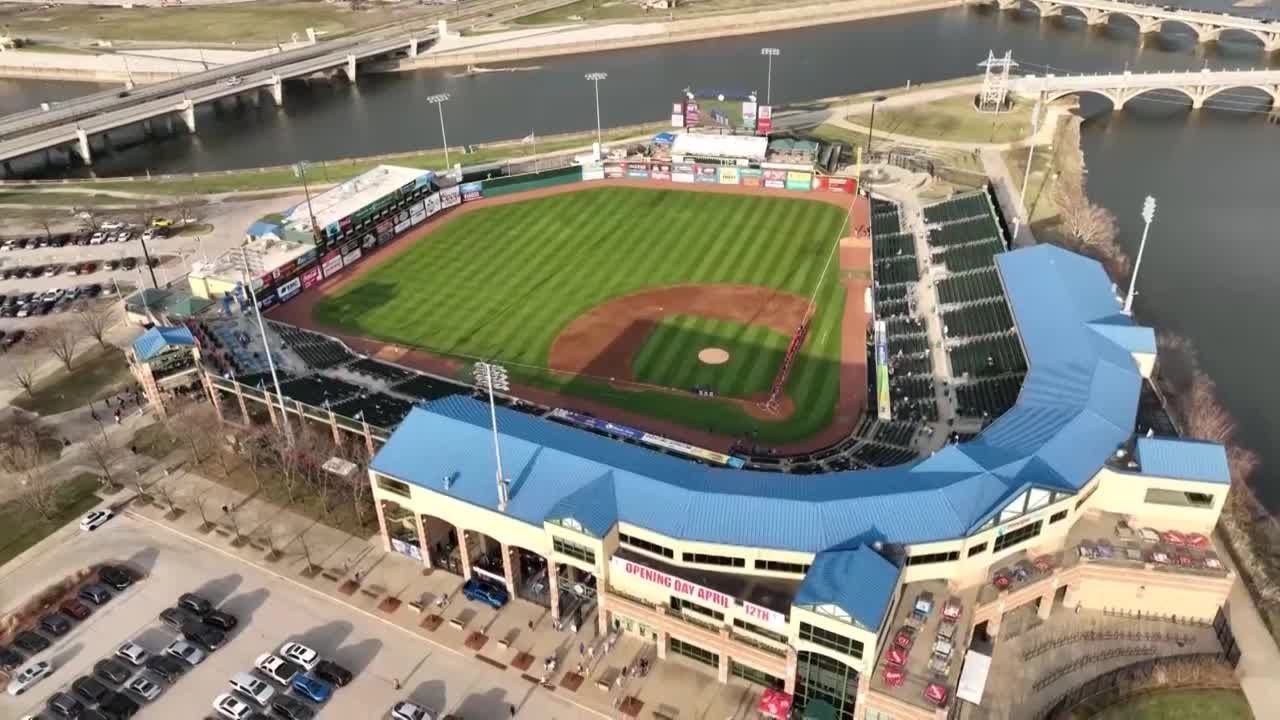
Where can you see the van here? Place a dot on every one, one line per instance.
(254, 688)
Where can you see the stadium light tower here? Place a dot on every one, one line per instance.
(266, 347)
(438, 100)
(595, 78)
(1148, 214)
(771, 53)
(490, 376)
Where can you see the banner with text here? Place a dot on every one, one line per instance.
(682, 173)
(799, 180)
(751, 177)
(764, 120)
(450, 197)
(776, 179)
(728, 175)
(660, 171)
(332, 263)
(471, 191)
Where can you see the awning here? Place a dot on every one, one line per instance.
(896, 656)
(973, 677)
(775, 704)
(894, 677)
(936, 693)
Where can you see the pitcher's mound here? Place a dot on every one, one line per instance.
(713, 356)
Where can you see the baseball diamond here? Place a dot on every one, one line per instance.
(609, 293)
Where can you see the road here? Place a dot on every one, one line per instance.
(271, 611)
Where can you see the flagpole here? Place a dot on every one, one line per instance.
(534, 135)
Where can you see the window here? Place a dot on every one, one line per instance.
(744, 625)
(779, 566)
(693, 652)
(1157, 496)
(819, 677)
(679, 603)
(1018, 536)
(1060, 515)
(722, 560)
(574, 550)
(830, 640)
(754, 676)
(654, 548)
(930, 558)
(1087, 495)
(393, 486)
(977, 549)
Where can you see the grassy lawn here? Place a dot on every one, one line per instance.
(607, 10)
(577, 250)
(93, 375)
(20, 528)
(669, 355)
(155, 441)
(951, 119)
(251, 23)
(1181, 705)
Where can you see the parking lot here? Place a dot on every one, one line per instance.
(271, 611)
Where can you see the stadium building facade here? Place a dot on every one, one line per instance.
(803, 583)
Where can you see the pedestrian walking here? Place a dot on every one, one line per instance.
(395, 682)
(513, 710)
(582, 649)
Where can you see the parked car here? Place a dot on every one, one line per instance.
(133, 653)
(29, 676)
(10, 659)
(165, 667)
(56, 624)
(332, 673)
(300, 654)
(185, 652)
(113, 671)
(118, 706)
(485, 592)
(192, 602)
(30, 642)
(312, 688)
(206, 637)
(115, 576)
(74, 608)
(95, 593)
(253, 687)
(129, 263)
(277, 668)
(144, 687)
(291, 708)
(405, 710)
(222, 620)
(64, 705)
(89, 688)
(231, 707)
(177, 618)
(95, 519)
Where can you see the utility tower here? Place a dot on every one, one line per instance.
(995, 83)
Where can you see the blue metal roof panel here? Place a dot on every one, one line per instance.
(159, 338)
(859, 581)
(1184, 459)
(1120, 330)
(593, 505)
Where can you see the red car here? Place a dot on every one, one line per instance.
(75, 609)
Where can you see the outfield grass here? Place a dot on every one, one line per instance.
(20, 528)
(1181, 705)
(502, 283)
(669, 355)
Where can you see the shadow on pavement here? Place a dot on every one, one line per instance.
(65, 655)
(324, 638)
(358, 656)
(215, 591)
(491, 703)
(144, 560)
(431, 695)
(245, 604)
(154, 639)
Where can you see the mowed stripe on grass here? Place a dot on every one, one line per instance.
(502, 283)
(670, 355)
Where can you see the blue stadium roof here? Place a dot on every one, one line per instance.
(1184, 459)
(160, 338)
(828, 582)
(1077, 405)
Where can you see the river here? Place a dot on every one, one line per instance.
(1212, 247)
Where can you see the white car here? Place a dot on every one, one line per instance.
(253, 687)
(97, 238)
(111, 225)
(276, 668)
(186, 652)
(145, 688)
(95, 519)
(132, 653)
(28, 676)
(408, 711)
(231, 707)
(148, 235)
(300, 654)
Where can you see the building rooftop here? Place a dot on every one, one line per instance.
(729, 147)
(865, 601)
(342, 200)
(159, 339)
(1183, 459)
(256, 257)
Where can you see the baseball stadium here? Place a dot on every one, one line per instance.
(833, 448)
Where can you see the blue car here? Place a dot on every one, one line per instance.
(486, 592)
(312, 688)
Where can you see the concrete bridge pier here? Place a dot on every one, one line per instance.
(83, 148)
(8, 167)
(413, 47)
(1271, 43)
(147, 129)
(189, 115)
(1095, 17)
(350, 69)
(277, 90)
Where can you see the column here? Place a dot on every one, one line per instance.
(722, 671)
(188, 112)
(864, 688)
(793, 662)
(271, 408)
(508, 569)
(83, 148)
(662, 644)
(244, 409)
(333, 428)
(424, 543)
(602, 612)
(553, 588)
(351, 69)
(277, 90)
(464, 555)
(413, 47)
(382, 524)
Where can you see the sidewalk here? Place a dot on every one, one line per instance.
(397, 590)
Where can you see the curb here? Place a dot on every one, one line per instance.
(221, 551)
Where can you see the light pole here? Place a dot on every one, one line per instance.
(490, 376)
(595, 78)
(1148, 214)
(771, 53)
(438, 100)
(266, 347)
(872, 128)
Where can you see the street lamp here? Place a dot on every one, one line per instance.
(1148, 214)
(490, 376)
(596, 77)
(438, 100)
(771, 53)
(266, 347)
(874, 102)
(302, 172)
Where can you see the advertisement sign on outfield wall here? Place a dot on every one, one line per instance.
(471, 191)
(417, 213)
(728, 175)
(682, 173)
(775, 179)
(751, 177)
(749, 109)
(842, 185)
(799, 180)
(289, 289)
(706, 173)
(312, 277)
(450, 197)
(614, 170)
(677, 115)
(331, 263)
(593, 171)
(764, 120)
(402, 222)
(352, 257)
(638, 170)
(660, 171)
(368, 241)
(432, 204)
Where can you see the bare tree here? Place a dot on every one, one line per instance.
(22, 454)
(103, 454)
(201, 502)
(166, 495)
(61, 340)
(1203, 415)
(361, 497)
(46, 224)
(1179, 362)
(20, 368)
(88, 216)
(95, 319)
(186, 207)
